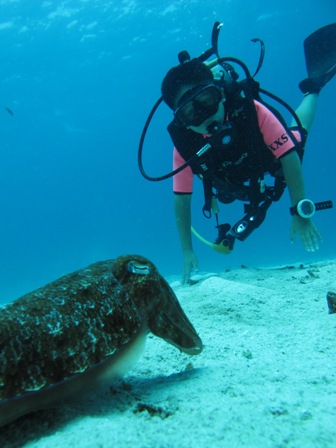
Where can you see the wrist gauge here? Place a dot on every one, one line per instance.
(305, 209)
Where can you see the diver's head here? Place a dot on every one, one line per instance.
(190, 91)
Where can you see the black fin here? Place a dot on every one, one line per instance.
(320, 54)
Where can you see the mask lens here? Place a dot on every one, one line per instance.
(195, 107)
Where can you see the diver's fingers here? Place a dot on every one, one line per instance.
(317, 233)
(189, 265)
(315, 237)
(311, 239)
(308, 243)
(186, 273)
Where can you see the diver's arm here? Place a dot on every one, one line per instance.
(304, 228)
(182, 205)
(292, 169)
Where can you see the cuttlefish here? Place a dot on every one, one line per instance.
(83, 330)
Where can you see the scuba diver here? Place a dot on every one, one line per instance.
(227, 135)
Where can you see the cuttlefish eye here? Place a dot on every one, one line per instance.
(137, 268)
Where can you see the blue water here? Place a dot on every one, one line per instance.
(80, 78)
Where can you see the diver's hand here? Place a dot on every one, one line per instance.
(307, 232)
(189, 263)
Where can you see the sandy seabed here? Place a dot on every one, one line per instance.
(266, 376)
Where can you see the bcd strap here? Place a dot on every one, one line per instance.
(207, 186)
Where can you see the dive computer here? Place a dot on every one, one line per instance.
(305, 208)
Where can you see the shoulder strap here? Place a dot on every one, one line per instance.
(185, 141)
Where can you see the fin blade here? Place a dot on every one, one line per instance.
(320, 51)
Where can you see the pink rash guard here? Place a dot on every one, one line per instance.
(272, 131)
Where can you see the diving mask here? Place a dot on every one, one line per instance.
(198, 104)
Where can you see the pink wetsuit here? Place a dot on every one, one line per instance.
(275, 137)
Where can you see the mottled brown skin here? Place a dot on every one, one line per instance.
(150, 291)
(60, 338)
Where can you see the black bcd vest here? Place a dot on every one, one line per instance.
(246, 158)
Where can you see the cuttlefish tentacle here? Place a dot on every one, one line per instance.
(83, 328)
